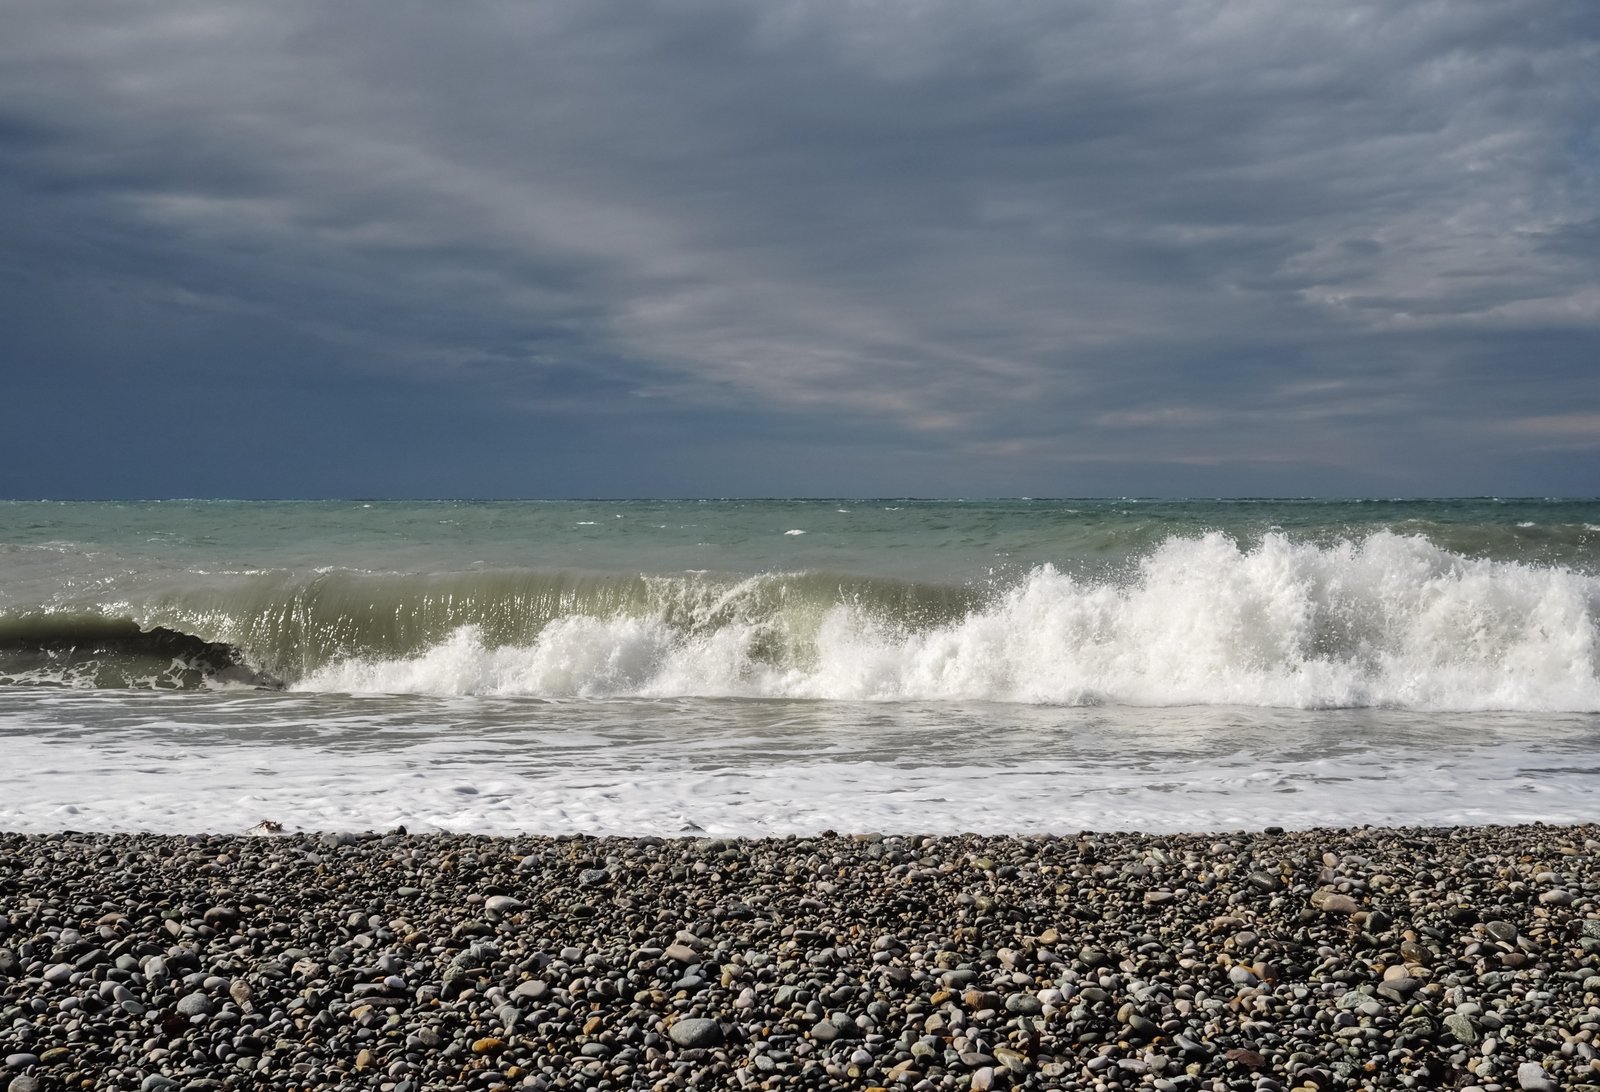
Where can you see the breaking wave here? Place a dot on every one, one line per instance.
(1386, 620)
(66, 649)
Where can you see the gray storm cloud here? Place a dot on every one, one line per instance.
(1353, 235)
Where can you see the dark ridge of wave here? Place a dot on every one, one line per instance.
(1381, 619)
(116, 653)
(1389, 621)
(286, 625)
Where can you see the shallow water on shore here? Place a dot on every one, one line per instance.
(224, 761)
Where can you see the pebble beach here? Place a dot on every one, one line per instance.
(1312, 960)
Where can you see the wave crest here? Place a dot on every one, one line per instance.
(1389, 620)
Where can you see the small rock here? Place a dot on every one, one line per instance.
(695, 1032)
(1531, 1077)
(1023, 1004)
(1502, 931)
(1093, 957)
(535, 989)
(1333, 902)
(1397, 989)
(194, 1004)
(1250, 1059)
(1013, 1060)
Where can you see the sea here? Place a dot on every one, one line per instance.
(771, 667)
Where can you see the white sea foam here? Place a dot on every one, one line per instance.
(612, 698)
(1390, 620)
(127, 760)
(221, 789)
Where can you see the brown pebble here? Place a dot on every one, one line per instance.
(1332, 902)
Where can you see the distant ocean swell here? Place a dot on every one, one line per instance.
(1388, 620)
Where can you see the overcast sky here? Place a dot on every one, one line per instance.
(770, 248)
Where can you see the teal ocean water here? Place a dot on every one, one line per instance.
(761, 666)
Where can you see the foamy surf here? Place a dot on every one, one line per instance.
(686, 667)
(226, 762)
(1388, 621)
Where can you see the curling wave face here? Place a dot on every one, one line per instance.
(1388, 621)
(1385, 619)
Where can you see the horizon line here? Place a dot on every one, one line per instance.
(819, 497)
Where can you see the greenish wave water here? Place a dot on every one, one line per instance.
(774, 666)
(1426, 603)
